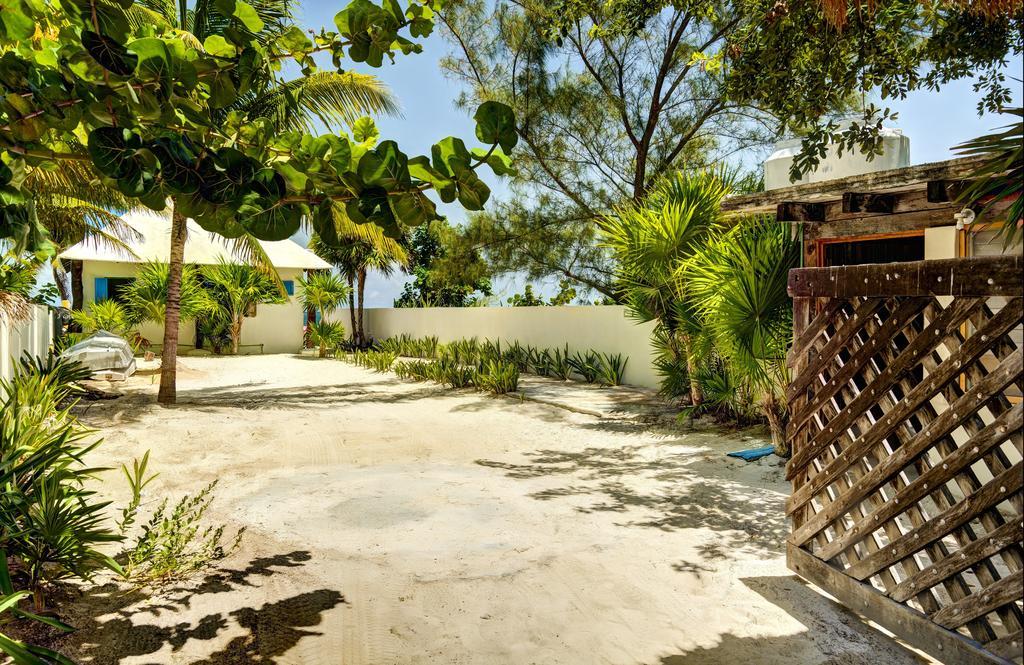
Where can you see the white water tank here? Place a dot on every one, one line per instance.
(895, 154)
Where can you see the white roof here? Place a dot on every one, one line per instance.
(202, 246)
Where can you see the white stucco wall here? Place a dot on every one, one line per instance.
(33, 335)
(277, 327)
(604, 328)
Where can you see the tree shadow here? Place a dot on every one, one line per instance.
(690, 490)
(834, 635)
(114, 623)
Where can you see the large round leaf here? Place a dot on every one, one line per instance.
(496, 123)
(109, 53)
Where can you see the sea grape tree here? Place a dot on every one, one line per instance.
(95, 80)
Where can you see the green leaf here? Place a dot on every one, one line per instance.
(17, 25)
(228, 177)
(179, 164)
(385, 166)
(473, 192)
(241, 11)
(497, 160)
(294, 40)
(420, 168)
(109, 53)
(364, 130)
(449, 156)
(217, 45)
(413, 208)
(165, 61)
(496, 123)
(118, 153)
(270, 222)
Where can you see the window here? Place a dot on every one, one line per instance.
(874, 250)
(112, 288)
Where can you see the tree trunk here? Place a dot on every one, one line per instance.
(359, 313)
(696, 393)
(77, 291)
(777, 424)
(236, 334)
(168, 393)
(352, 306)
(62, 287)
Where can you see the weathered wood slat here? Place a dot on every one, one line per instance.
(804, 337)
(1006, 590)
(948, 420)
(893, 324)
(884, 204)
(909, 624)
(1009, 647)
(998, 489)
(989, 544)
(988, 276)
(839, 339)
(972, 348)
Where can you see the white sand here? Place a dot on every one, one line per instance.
(394, 523)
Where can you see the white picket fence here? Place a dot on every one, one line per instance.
(34, 335)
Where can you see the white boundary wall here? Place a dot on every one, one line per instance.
(604, 328)
(33, 335)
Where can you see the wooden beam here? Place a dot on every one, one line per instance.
(905, 622)
(945, 191)
(796, 211)
(910, 177)
(882, 204)
(984, 276)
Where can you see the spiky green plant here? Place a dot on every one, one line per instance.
(1000, 176)
(497, 377)
(587, 366)
(326, 336)
(738, 283)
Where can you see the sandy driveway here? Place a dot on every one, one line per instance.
(394, 523)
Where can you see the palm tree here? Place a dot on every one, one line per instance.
(328, 97)
(237, 290)
(737, 283)
(650, 241)
(323, 292)
(354, 258)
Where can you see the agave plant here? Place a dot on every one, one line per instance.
(326, 336)
(588, 365)
(497, 377)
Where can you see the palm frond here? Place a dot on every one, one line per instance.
(331, 97)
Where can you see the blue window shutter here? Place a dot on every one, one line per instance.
(101, 289)
(289, 287)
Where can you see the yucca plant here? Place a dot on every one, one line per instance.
(612, 368)
(587, 366)
(560, 366)
(497, 377)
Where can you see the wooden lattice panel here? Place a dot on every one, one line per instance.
(906, 429)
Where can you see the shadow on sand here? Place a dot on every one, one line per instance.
(114, 623)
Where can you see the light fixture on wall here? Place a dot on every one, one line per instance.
(964, 218)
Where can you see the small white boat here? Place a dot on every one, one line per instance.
(108, 356)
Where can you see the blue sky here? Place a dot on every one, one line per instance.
(935, 122)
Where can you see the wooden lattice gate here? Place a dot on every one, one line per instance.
(906, 435)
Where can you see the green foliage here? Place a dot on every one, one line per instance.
(186, 107)
(237, 290)
(145, 298)
(1000, 178)
(19, 652)
(586, 365)
(327, 336)
(323, 291)
(111, 316)
(446, 271)
(173, 543)
(497, 377)
(788, 60)
(612, 367)
(50, 524)
(602, 115)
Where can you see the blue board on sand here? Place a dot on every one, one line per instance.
(753, 454)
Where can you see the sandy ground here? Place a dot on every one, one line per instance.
(394, 523)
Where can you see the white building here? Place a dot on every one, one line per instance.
(274, 328)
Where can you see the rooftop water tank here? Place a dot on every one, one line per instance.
(895, 154)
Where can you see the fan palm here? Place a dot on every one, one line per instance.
(329, 98)
(737, 284)
(357, 254)
(650, 240)
(323, 292)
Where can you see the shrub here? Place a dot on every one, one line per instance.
(379, 361)
(50, 525)
(587, 366)
(497, 377)
(111, 316)
(560, 366)
(612, 368)
(172, 544)
(327, 336)
(542, 362)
